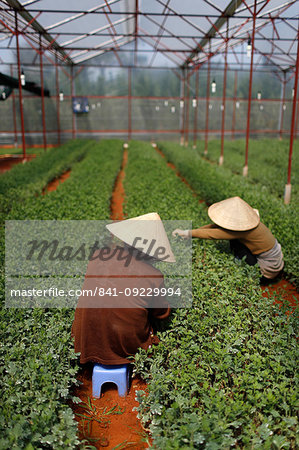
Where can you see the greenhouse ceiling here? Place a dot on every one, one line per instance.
(154, 33)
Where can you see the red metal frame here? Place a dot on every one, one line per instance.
(20, 87)
(196, 108)
(42, 96)
(245, 169)
(208, 101)
(292, 133)
(136, 32)
(28, 27)
(129, 104)
(224, 96)
(187, 110)
(234, 105)
(182, 110)
(14, 111)
(72, 97)
(57, 100)
(282, 104)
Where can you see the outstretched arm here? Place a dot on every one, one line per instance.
(210, 231)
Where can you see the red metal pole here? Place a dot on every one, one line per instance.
(208, 101)
(20, 87)
(287, 192)
(129, 103)
(282, 105)
(42, 91)
(72, 97)
(57, 101)
(186, 102)
(196, 108)
(14, 112)
(234, 105)
(245, 168)
(224, 98)
(182, 110)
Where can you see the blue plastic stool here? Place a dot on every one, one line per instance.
(118, 375)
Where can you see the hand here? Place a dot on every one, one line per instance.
(184, 234)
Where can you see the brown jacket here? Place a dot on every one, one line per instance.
(108, 335)
(258, 240)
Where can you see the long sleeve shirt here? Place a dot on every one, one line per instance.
(106, 333)
(258, 240)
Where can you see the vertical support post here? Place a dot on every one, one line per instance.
(282, 100)
(182, 110)
(129, 103)
(20, 87)
(72, 98)
(287, 192)
(14, 113)
(234, 105)
(57, 101)
(196, 108)
(187, 104)
(245, 168)
(208, 101)
(42, 91)
(224, 97)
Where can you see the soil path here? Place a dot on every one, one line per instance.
(117, 426)
(282, 287)
(120, 429)
(8, 161)
(53, 185)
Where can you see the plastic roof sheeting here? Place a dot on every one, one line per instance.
(151, 33)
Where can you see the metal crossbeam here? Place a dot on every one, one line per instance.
(16, 5)
(228, 12)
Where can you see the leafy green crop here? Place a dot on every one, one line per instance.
(268, 162)
(213, 183)
(224, 373)
(38, 362)
(27, 180)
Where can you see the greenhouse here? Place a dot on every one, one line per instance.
(149, 201)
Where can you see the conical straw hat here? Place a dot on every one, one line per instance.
(234, 214)
(149, 228)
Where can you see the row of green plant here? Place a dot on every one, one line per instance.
(214, 183)
(19, 151)
(26, 180)
(267, 162)
(224, 372)
(37, 358)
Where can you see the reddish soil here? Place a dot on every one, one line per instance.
(31, 146)
(119, 428)
(284, 289)
(8, 161)
(53, 185)
(172, 166)
(118, 194)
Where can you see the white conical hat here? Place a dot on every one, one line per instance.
(149, 228)
(234, 214)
